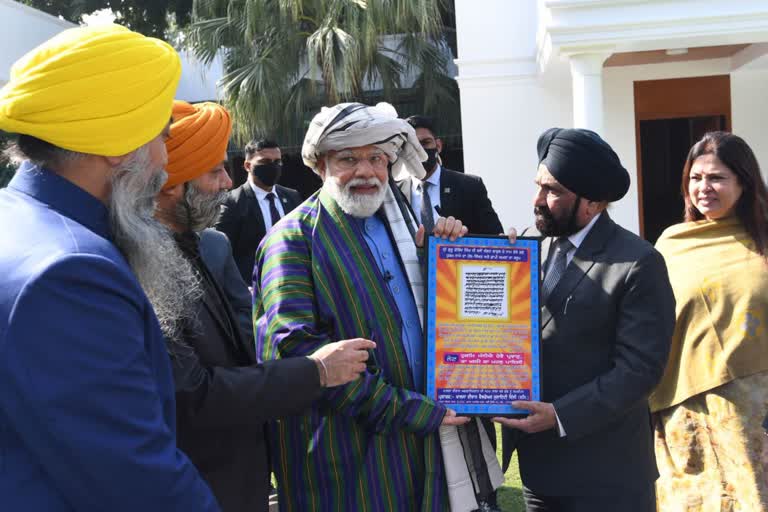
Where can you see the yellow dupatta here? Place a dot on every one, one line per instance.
(721, 289)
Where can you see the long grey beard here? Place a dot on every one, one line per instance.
(199, 210)
(167, 277)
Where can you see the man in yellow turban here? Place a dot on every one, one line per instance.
(223, 397)
(87, 409)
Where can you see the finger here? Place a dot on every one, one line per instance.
(525, 405)
(455, 421)
(439, 226)
(507, 422)
(361, 344)
(512, 235)
(457, 230)
(420, 236)
(450, 413)
(360, 367)
(363, 355)
(450, 226)
(513, 423)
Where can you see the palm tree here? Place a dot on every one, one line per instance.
(283, 59)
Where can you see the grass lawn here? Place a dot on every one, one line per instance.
(510, 495)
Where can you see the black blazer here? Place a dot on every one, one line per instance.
(223, 398)
(242, 222)
(217, 255)
(465, 197)
(606, 333)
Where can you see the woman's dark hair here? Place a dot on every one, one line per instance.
(752, 206)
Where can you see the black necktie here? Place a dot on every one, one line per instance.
(273, 213)
(561, 247)
(427, 217)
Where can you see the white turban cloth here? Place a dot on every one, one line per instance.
(352, 125)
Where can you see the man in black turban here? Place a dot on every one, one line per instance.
(607, 318)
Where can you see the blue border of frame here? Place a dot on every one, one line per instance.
(534, 245)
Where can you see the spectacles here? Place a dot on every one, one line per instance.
(349, 162)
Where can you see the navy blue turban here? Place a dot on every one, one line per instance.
(583, 163)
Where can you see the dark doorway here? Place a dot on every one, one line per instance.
(670, 116)
(664, 145)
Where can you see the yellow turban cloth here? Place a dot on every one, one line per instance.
(198, 141)
(101, 90)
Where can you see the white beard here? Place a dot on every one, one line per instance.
(167, 277)
(356, 205)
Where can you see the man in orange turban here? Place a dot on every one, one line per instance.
(87, 410)
(223, 396)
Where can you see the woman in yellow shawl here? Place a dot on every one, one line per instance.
(710, 403)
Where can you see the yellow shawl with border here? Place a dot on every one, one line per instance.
(721, 289)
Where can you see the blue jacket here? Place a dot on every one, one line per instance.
(87, 412)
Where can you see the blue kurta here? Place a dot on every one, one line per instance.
(378, 240)
(87, 412)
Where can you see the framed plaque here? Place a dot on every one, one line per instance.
(483, 331)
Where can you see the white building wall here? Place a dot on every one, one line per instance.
(749, 108)
(22, 29)
(501, 124)
(198, 81)
(504, 105)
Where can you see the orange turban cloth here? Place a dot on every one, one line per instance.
(198, 141)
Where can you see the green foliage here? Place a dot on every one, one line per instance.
(150, 17)
(510, 494)
(283, 59)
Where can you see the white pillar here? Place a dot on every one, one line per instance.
(587, 78)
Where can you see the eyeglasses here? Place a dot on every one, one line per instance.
(349, 162)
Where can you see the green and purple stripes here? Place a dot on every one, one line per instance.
(370, 445)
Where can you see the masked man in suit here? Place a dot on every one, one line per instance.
(446, 192)
(255, 206)
(607, 318)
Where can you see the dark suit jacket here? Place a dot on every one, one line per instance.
(242, 222)
(223, 399)
(217, 255)
(465, 197)
(606, 332)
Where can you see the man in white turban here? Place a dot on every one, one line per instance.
(87, 412)
(345, 264)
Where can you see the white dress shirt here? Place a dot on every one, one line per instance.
(261, 198)
(434, 193)
(576, 240)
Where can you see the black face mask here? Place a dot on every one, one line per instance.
(268, 174)
(431, 160)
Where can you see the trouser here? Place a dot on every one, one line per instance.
(644, 501)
